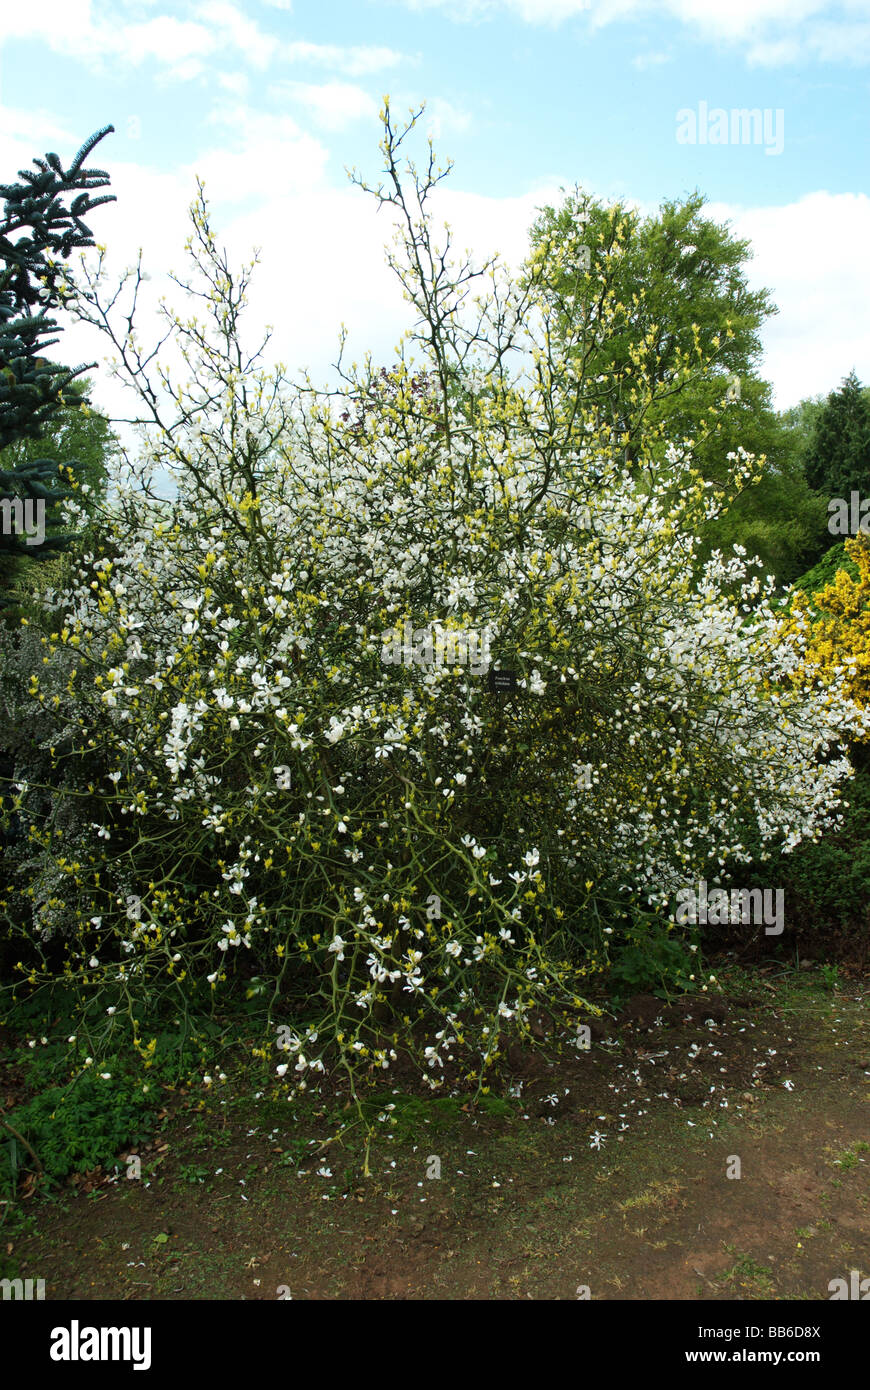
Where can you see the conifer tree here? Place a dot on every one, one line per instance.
(38, 231)
(838, 457)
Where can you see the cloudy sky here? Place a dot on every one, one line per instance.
(270, 100)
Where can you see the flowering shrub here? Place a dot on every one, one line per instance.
(397, 858)
(836, 621)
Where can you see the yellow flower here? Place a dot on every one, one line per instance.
(837, 625)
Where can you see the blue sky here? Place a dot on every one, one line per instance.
(269, 102)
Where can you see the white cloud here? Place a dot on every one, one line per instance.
(322, 249)
(443, 118)
(96, 32)
(151, 207)
(845, 43)
(774, 32)
(332, 105)
(356, 61)
(644, 61)
(741, 19)
(24, 134)
(235, 82)
(238, 32)
(61, 18)
(773, 54)
(259, 152)
(157, 38)
(463, 10)
(322, 260)
(812, 256)
(323, 263)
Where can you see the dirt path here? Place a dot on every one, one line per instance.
(607, 1172)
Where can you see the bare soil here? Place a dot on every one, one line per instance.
(611, 1173)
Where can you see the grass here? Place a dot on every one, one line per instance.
(747, 1274)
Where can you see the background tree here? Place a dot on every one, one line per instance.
(36, 229)
(838, 456)
(780, 518)
(829, 443)
(800, 421)
(685, 319)
(76, 432)
(664, 332)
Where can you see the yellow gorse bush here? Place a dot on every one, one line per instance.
(835, 622)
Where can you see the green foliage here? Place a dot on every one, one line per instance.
(80, 443)
(825, 570)
(75, 1127)
(675, 358)
(31, 279)
(75, 431)
(822, 432)
(650, 956)
(37, 227)
(828, 883)
(800, 421)
(779, 518)
(830, 976)
(685, 314)
(838, 457)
